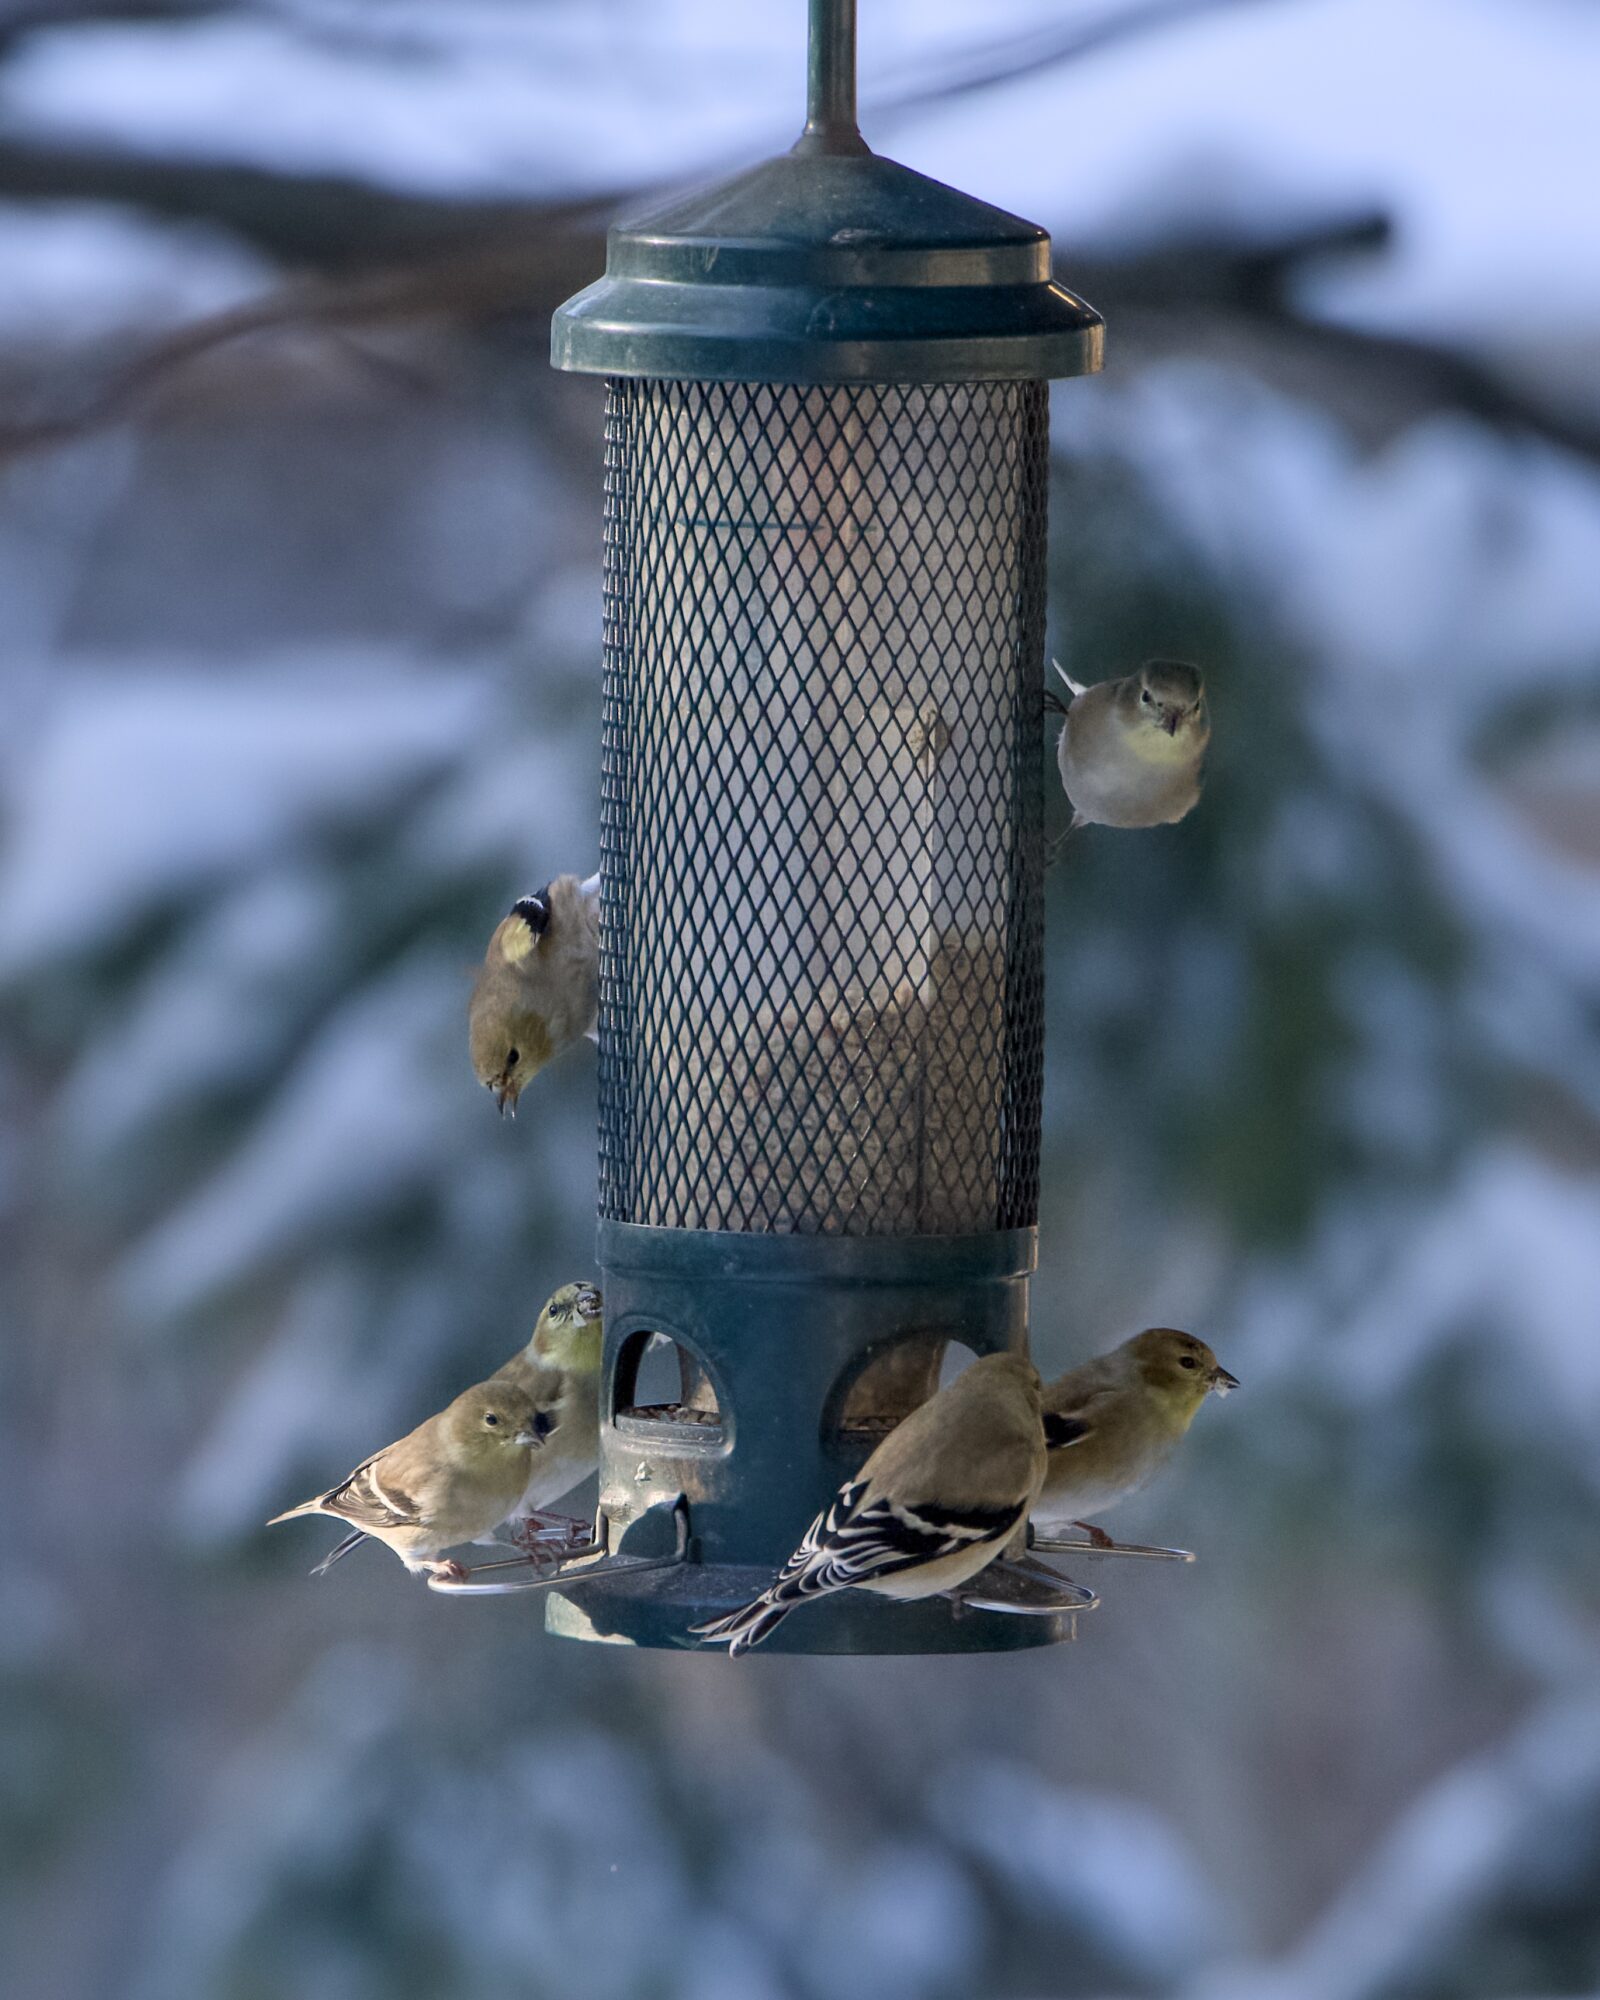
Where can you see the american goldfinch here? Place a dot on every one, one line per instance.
(560, 1369)
(451, 1480)
(538, 987)
(1131, 752)
(1113, 1423)
(934, 1504)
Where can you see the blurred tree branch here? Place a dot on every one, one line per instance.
(1219, 299)
(1026, 55)
(372, 257)
(18, 17)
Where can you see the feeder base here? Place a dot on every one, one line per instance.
(658, 1607)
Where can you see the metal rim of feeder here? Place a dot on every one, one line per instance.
(821, 1021)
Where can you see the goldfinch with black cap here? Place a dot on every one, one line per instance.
(538, 988)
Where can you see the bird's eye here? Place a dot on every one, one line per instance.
(1187, 1361)
(1147, 698)
(513, 1057)
(491, 1418)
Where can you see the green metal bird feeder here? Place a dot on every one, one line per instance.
(821, 980)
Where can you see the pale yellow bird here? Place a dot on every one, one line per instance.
(560, 1369)
(451, 1480)
(934, 1504)
(1113, 1423)
(1132, 751)
(537, 990)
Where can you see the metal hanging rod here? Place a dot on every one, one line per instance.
(831, 81)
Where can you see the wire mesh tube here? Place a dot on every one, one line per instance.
(821, 977)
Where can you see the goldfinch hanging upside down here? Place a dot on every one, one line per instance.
(538, 988)
(934, 1504)
(1113, 1423)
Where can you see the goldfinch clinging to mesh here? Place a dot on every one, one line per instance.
(537, 990)
(1132, 752)
(451, 1480)
(1113, 1423)
(560, 1369)
(934, 1504)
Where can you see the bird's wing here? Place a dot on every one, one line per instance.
(1076, 1407)
(1060, 1430)
(860, 1538)
(373, 1497)
(855, 1541)
(1074, 687)
(370, 1496)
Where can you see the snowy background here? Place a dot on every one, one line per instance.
(299, 625)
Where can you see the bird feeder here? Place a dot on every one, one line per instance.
(821, 1017)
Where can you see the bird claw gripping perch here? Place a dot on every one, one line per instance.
(579, 1566)
(547, 1537)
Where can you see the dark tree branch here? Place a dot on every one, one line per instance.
(1044, 48)
(1192, 297)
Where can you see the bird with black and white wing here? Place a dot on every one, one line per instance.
(937, 1501)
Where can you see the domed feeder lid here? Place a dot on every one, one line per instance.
(828, 264)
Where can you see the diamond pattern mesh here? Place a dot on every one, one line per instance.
(821, 980)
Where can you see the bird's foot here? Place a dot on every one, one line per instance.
(446, 1566)
(1098, 1538)
(1051, 702)
(549, 1537)
(1057, 847)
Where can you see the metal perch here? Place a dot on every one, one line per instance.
(571, 1572)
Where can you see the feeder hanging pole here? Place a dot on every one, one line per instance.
(831, 81)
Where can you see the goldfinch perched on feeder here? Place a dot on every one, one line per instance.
(934, 1504)
(560, 1369)
(538, 988)
(453, 1479)
(1113, 1423)
(1131, 752)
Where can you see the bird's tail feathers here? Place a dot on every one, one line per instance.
(1074, 687)
(339, 1549)
(748, 1626)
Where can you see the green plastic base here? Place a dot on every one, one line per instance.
(780, 1327)
(659, 1607)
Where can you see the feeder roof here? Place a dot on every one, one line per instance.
(828, 267)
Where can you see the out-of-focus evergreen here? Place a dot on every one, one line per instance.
(298, 651)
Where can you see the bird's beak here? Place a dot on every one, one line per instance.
(1222, 1381)
(529, 1438)
(589, 1304)
(1170, 721)
(505, 1095)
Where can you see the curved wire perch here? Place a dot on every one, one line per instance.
(1023, 1588)
(571, 1571)
(1054, 1545)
